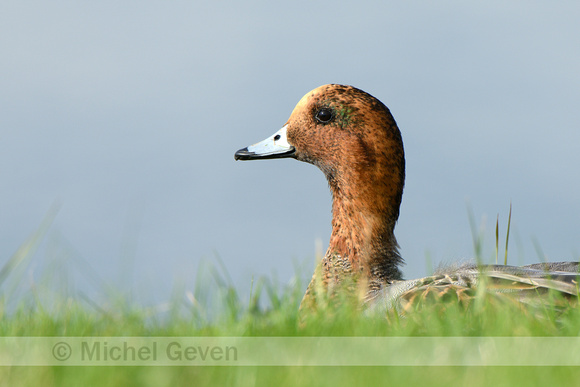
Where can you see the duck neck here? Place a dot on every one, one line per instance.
(363, 220)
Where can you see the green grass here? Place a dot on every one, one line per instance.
(74, 318)
(215, 308)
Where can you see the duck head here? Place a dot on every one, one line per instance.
(352, 137)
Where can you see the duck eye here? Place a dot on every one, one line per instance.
(324, 115)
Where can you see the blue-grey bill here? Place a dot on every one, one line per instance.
(274, 147)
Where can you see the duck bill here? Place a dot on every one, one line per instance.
(274, 147)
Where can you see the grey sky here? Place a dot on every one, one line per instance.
(129, 113)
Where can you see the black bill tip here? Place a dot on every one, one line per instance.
(244, 154)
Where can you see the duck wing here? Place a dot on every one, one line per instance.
(527, 284)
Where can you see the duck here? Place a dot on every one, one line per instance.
(354, 140)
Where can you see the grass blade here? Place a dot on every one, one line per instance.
(507, 237)
(496, 238)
